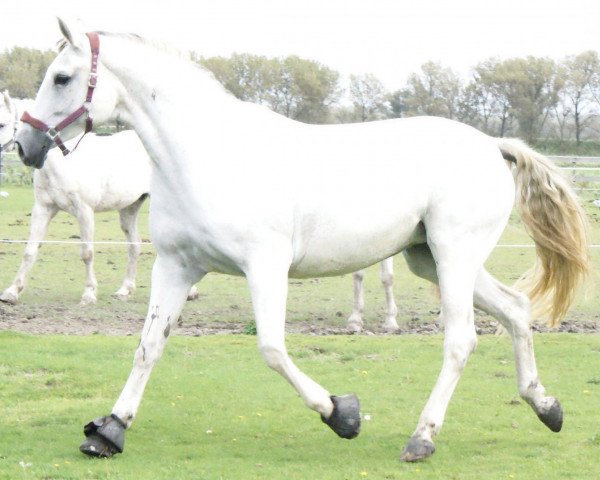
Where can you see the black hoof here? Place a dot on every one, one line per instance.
(417, 449)
(345, 418)
(105, 436)
(553, 417)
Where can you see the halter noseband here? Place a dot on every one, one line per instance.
(84, 109)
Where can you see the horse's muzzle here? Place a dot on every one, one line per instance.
(32, 147)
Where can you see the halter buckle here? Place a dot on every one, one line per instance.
(52, 133)
(93, 80)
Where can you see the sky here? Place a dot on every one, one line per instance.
(389, 39)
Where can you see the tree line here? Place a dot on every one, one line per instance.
(529, 97)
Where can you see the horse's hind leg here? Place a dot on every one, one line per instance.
(170, 286)
(128, 221)
(456, 270)
(386, 274)
(267, 276)
(355, 320)
(511, 309)
(40, 218)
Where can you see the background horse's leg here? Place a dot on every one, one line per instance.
(355, 320)
(267, 277)
(386, 275)
(170, 286)
(128, 221)
(40, 218)
(85, 217)
(456, 271)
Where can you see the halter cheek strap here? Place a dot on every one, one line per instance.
(54, 131)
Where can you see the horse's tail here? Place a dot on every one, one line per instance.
(557, 223)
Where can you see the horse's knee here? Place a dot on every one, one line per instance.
(87, 255)
(386, 278)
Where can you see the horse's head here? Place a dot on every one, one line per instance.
(64, 102)
(8, 120)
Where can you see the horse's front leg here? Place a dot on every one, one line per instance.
(170, 286)
(386, 275)
(267, 277)
(41, 214)
(355, 320)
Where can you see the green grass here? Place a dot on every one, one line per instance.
(212, 410)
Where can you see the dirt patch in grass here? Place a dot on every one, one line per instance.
(77, 320)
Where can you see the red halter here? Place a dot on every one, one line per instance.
(53, 132)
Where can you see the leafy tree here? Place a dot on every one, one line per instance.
(579, 73)
(487, 97)
(531, 86)
(368, 97)
(22, 70)
(435, 91)
(295, 87)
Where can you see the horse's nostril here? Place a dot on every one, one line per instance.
(20, 151)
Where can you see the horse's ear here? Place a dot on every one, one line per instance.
(71, 32)
(7, 100)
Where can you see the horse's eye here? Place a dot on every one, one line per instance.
(61, 79)
(2, 125)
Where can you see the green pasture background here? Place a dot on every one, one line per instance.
(213, 410)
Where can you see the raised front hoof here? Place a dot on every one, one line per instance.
(105, 436)
(9, 297)
(417, 449)
(345, 418)
(553, 417)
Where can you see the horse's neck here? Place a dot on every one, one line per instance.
(164, 97)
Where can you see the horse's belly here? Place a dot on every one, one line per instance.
(324, 252)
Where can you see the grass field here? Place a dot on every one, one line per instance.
(214, 411)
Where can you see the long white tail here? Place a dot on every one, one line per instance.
(552, 215)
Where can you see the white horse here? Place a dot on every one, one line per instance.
(9, 119)
(104, 173)
(241, 190)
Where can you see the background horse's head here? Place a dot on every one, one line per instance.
(8, 119)
(62, 92)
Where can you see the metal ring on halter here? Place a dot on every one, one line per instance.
(52, 133)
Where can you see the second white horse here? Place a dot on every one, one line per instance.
(104, 173)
